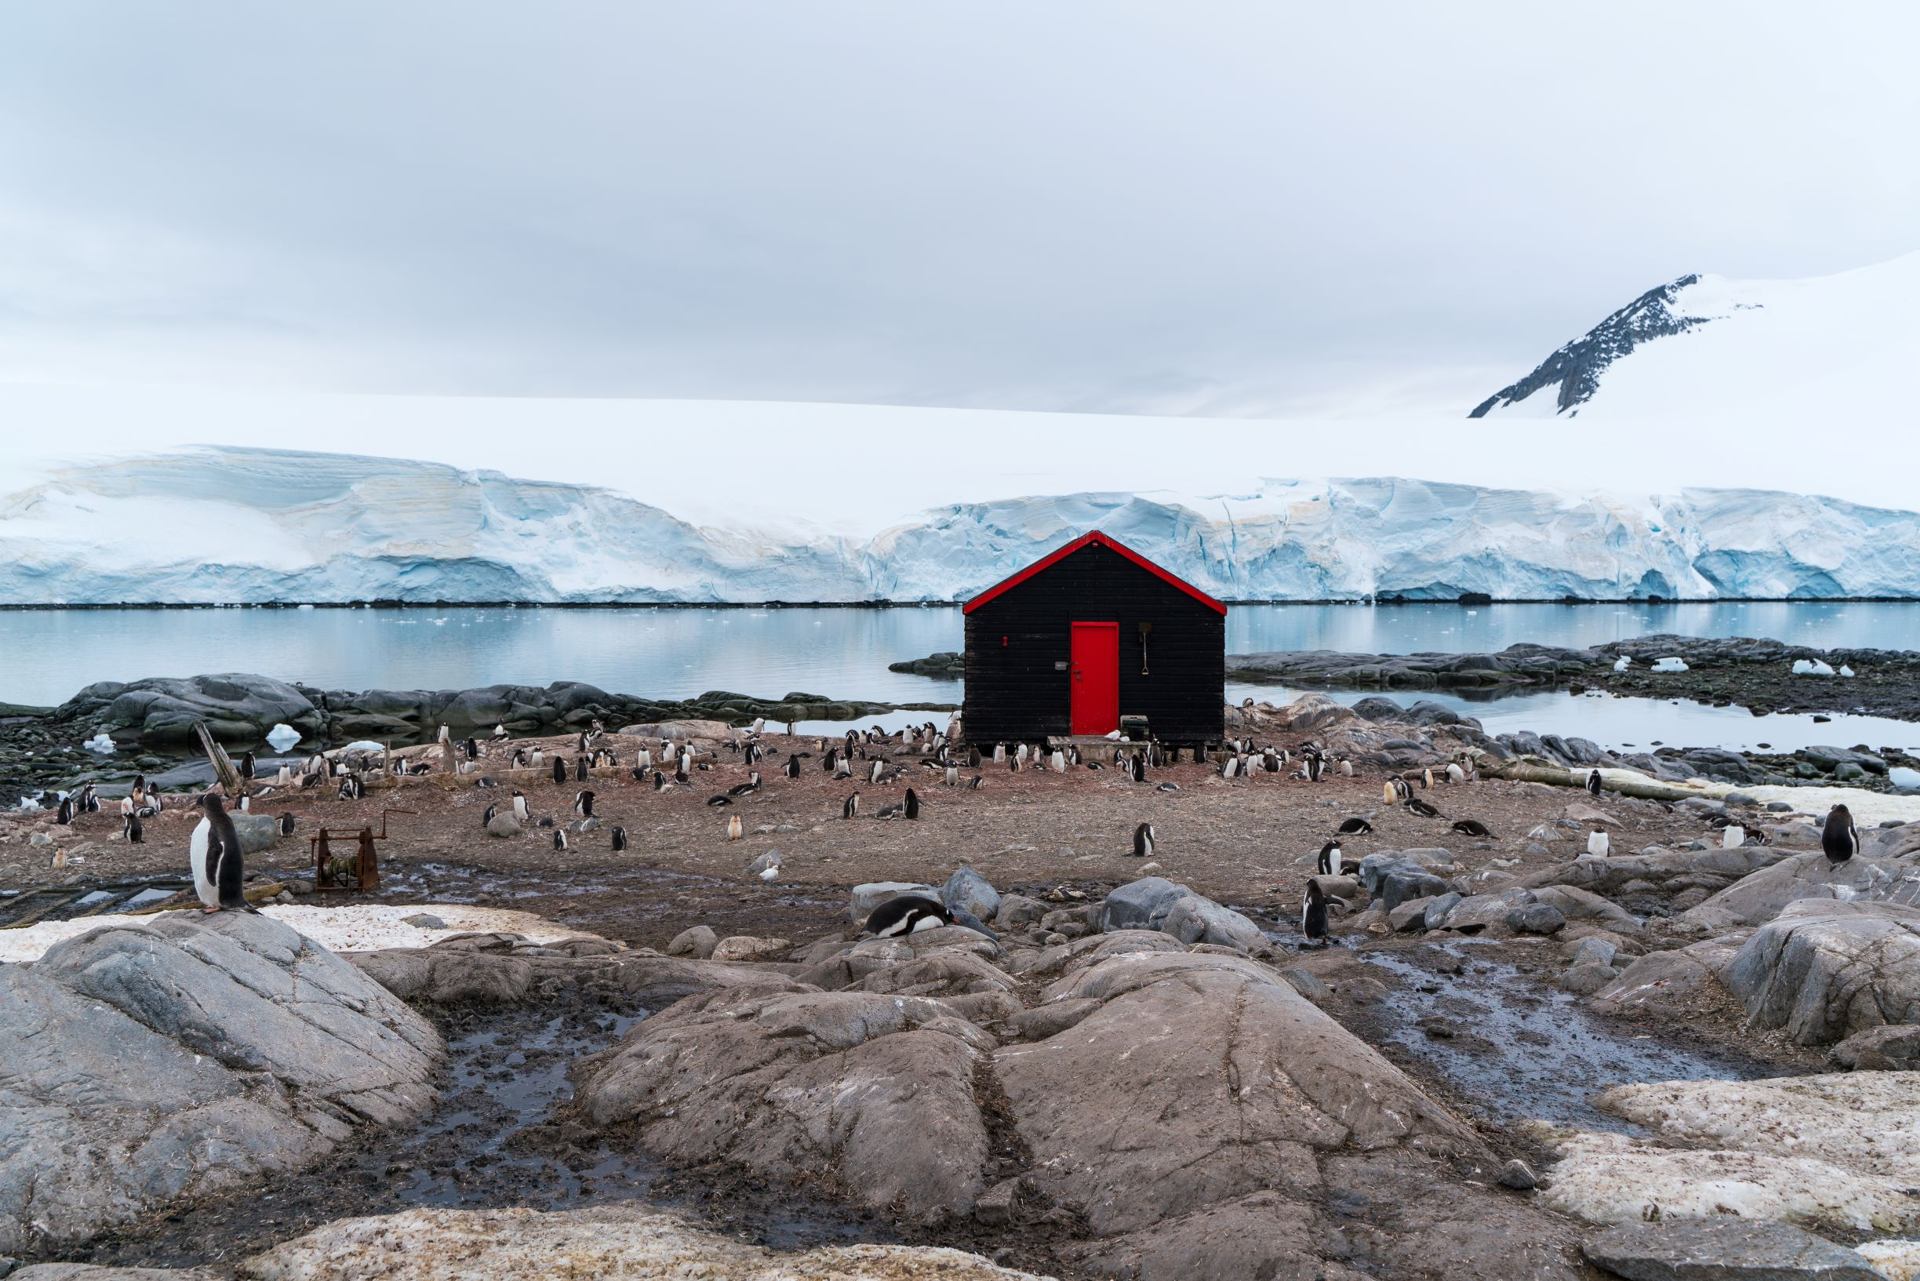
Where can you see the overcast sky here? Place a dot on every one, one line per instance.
(1220, 208)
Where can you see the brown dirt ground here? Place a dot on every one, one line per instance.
(1250, 843)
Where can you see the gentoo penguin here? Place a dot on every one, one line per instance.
(751, 785)
(286, 825)
(907, 914)
(1143, 841)
(214, 853)
(999, 753)
(1229, 767)
(1316, 767)
(559, 770)
(64, 816)
(130, 828)
(851, 806)
(953, 775)
(659, 781)
(1020, 753)
(487, 817)
(975, 783)
(619, 839)
(1058, 762)
(643, 760)
(560, 838)
(472, 749)
(1354, 826)
(715, 802)
(583, 804)
(499, 732)
(1426, 779)
(1415, 805)
(580, 769)
(351, 788)
(1346, 768)
(1313, 913)
(246, 765)
(911, 806)
(1390, 791)
(873, 774)
(1471, 827)
(246, 804)
(1733, 836)
(520, 812)
(1839, 838)
(793, 765)
(735, 828)
(1598, 844)
(1593, 782)
(1137, 768)
(1454, 773)
(1332, 862)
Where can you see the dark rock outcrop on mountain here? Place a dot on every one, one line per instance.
(1577, 366)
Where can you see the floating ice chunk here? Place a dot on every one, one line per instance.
(1671, 663)
(1904, 779)
(1812, 667)
(281, 738)
(1622, 663)
(101, 742)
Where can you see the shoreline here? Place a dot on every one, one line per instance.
(1471, 600)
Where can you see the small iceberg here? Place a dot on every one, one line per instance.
(1671, 663)
(101, 742)
(1622, 663)
(1846, 671)
(1812, 667)
(281, 738)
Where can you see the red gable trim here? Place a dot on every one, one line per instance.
(1090, 539)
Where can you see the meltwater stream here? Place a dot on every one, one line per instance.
(1520, 1050)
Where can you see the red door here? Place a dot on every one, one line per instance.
(1095, 691)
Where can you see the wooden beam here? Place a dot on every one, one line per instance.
(223, 768)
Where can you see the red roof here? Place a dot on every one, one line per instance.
(1093, 538)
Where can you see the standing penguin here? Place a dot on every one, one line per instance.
(793, 765)
(1143, 841)
(583, 804)
(1313, 913)
(1840, 839)
(1593, 782)
(487, 817)
(64, 816)
(560, 838)
(619, 839)
(1598, 844)
(214, 854)
(520, 812)
(912, 804)
(246, 765)
(851, 807)
(580, 769)
(1332, 862)
(559, 770)
(130, 828)
(735, 828)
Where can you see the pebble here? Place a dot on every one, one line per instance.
(1518, 1175)
(424, 921)
(40, 838)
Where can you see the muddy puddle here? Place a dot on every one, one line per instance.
(501, 1135)
(1511, 1048)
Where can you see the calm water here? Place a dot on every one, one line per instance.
(46, 655)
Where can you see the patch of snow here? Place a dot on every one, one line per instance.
(102, 743)
(1670, 663)
(1846, 671)
(1622, 663)
(359, 927)
(1812, 667)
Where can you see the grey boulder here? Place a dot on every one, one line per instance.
(1825, 969)
(187, 1056)
(1724, 1249)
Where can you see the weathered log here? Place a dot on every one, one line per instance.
(1625, 782)
(223, 768)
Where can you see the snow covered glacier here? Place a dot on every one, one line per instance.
(261, 525)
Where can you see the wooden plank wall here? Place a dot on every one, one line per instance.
(1015, 693)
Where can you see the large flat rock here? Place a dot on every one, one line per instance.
(1823, 969)
(184, 1056)
(1761, 895)
(1724, 1250)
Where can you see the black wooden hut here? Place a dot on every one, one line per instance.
(1088, 635)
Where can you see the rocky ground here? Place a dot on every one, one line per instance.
(1511, 1044)
(1740, 671)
